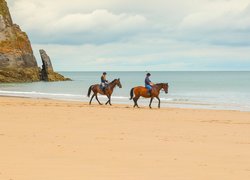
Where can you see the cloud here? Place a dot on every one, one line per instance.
(218, 24)
(138, 35)
(84, 22)
(99, 20)
(97, 26)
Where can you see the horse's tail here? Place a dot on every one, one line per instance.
(131, 93)
(89, 92)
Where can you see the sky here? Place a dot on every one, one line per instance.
(129, 35)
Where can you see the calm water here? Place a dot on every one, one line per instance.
(207, 90)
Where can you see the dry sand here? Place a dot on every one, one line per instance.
(54, 140)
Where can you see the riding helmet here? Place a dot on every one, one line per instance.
(148, 74)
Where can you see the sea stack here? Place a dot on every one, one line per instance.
(47, 72)
(17, 61)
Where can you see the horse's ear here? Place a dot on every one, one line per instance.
(118, 79)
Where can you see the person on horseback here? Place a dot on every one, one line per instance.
(148, 83)
(104, 81)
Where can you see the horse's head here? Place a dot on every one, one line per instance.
(118, 83)
(165, 87)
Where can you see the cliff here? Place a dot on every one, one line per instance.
(17, 61)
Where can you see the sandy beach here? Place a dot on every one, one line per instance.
(56, 140)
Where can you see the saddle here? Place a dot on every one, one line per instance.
(103, 87)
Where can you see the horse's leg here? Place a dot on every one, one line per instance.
(91, 99)
(107, 102)
(151, 102)
(137, 104)
(135, 101)
(159, 104)
(97, 99)
(110, 101)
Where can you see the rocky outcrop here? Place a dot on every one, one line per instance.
(17, 62)
(47, 72)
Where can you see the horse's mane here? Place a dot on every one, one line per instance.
(159, 84)
(113, 81)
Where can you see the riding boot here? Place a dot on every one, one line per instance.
(150, 92)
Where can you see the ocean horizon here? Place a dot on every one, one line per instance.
(221, 90)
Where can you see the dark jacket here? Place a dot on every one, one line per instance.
(103, 80)
(147, 81)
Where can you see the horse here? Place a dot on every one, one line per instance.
(142, 91)
(108, 91)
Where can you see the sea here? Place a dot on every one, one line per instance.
(219, 90)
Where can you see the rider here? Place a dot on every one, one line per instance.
(104, 81)
(148, 83)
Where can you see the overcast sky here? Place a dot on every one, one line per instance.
(138, 35)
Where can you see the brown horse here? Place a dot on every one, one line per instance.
(142, 91)
(108, 91)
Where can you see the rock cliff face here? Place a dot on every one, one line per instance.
(17, 61)
(47, 73)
